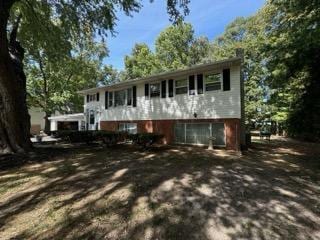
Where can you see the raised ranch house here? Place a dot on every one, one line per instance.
(186, 106)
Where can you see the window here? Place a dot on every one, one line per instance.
(129, 96)
(91, 117)
(93, 97)
(128, 127)
(119, 98)
(155, 90)
(110, 99)
(213, 82)
(181, 86)
(199, 133)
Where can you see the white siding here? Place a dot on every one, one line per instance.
(37, 117)
(212, 104)
(53, 125)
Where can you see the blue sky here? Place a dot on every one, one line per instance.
(208, 17)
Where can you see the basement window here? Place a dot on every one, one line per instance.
(130, 128)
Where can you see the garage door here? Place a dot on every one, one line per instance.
(64, 125)
(199, 133)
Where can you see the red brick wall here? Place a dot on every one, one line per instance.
(166, 127)
(35, 129)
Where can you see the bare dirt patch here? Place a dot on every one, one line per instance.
(69, 192)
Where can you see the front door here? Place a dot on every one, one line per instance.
(91, 123)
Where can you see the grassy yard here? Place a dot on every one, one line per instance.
(68, 192)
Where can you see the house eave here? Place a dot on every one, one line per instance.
(171, 74)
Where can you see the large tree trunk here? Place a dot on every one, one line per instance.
(14, 117)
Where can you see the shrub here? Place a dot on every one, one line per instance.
(107, 137)
(145, 139)
(76, 136)
(110, 138)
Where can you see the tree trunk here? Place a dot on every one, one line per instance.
(14, 117)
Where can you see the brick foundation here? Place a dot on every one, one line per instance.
(166, 127)
(35, 129)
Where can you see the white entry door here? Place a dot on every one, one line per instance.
(92, 120)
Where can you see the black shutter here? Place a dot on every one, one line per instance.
(134, 96)
(226, 79)
(170, 88)
(146, 90)
(97, 97)
(163, 89)
(106, 100)
(191, 85)
(200, 83)
(88, 98)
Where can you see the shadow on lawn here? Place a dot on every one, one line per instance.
(272, 192)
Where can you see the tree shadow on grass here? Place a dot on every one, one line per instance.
(166, 193)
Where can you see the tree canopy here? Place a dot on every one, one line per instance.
(175, 47)
(141, 62)
(293, 50)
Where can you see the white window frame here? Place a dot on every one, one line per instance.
(125, 96)
(175, 86)
(205, 79)
(92, 97)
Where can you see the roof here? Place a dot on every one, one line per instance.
(170, 74)
(66, 117)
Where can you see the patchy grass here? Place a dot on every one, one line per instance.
(70, 192)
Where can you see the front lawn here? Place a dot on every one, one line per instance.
(80, 192)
